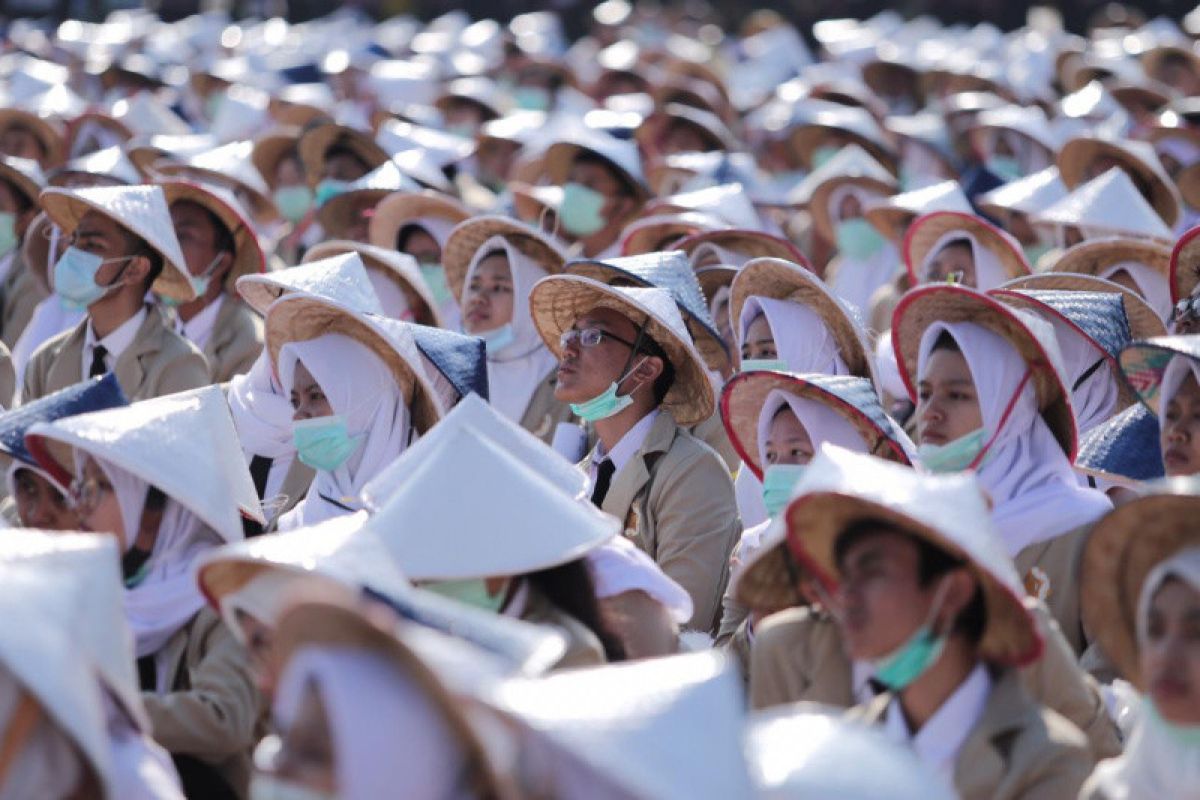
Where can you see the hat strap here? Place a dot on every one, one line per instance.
(20, 728)
(1008, 409)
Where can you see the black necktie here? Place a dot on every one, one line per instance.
(604, 474)
(260, 469)
(98, 366)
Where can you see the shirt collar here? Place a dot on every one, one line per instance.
(629, 443)
(199, 329)
(942, 736)
(118, 341)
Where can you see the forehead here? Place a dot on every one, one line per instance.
(191, 214)
(872, 543)
(605, 318)
(945, 364)
(93, 223)
(593, 171)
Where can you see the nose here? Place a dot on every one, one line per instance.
(1177, 432)
(302, 413)
(932, 412)
(573, 348)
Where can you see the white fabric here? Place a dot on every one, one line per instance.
(620, 566)
(49, 319)
(1031, 482)
(822, 424)
(1151, 284)
(802, 340)
(721, 297)
(861, 673)
(516, 370)
(166, 598)
(199, 329)
(141, 768)
(6, 262)
(391, 297)
(116, 342)
(989, 272)
(751, 540)
(10, 477)
(941, 737)
(1096, 399)
(626, 448)
(261, 412)
(887, 368)
(262, 598)
(49, 765)
(360, 388)
(747, 493)
(389, 739)
(1179, 368)
(708, 254)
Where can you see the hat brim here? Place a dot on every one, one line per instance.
(818, 204)
(1096, 255)
(753, 244)
(925, 305)
(248, 256)
(47, 133)
(336, 215)
(420, 300)
(314, 143)
(556, 303)
(396, 210)
(925, 232)
(805, 139)
(262, 207)
(715, 277)
(466, 239)
(270, 149)
(891, 221)
(1075, 156)
(556, 165)
(1144, 323)
(21, 182)
(1185, 265)
(1143, 364)
(652, 234)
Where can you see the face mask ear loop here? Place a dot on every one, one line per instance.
(542, 217)
(1012, 403)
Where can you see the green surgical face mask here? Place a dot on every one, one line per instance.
(324, 443)
(435, 279)
(899, 668)
(1006, 168)
(531, 98)
(1034, 253)
(858, 239)
(952, 456)
(778, 482)
(293, 201)
(607, 403)
(329, 189)
(1186, 735)
(822, 156)
(471, 592)
(764, 365)
(581, 210)
(8, 232)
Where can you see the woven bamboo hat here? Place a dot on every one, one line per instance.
(400, 267)
(558, 300)
(1144, 323)
(747, 243)
(466, 239)
(1136, 156)
(1094, 256)
(248, 255)
(893, 215)
(401, 208)
(1109, 205)
(926, 231)
(1185, 265)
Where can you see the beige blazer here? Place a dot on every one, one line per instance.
(675, 499)
(583, 648)
(797, 654)
(712, 432)
(1018, 750)
(544, 412)
(213, 711)
(236, 340)
(157, 363)
(1050, 570)
(8, 378)
(21, 293)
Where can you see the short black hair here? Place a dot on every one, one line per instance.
(137, 246)
(627, 187)
(945, 341)
(406, 232)
(665, 379)
(932, 563)
(964, 243)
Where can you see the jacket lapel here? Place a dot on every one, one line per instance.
(223, 330)
(67, 367)
(983, 760)
(131, 367)
(632, 477)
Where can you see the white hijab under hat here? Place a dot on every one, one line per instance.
(363, 391)
(1151, 284)
(989, 272)
(1094, 400)
(516, 370)
(1033, 488)
(802, 339)
(1179, 368)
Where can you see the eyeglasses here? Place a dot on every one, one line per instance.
(1186, 309)
(86, 494)
(589, 337)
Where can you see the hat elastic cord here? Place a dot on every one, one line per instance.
(1008, 409)
(1089, 372)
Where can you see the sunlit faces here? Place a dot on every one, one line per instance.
(947, 404)
(849, 208)
(596, 175)
(1179, 435)
(787, 440)
(1169, 653)
(307, 397)
(289, 172)
(40, 505)
(96, 503)
(759, 341)
(683, 137)
(342, 164)
(956, 260)
(487, 300)
(585, 372)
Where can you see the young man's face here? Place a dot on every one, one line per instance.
(99, 234)
(585, 372)
(197, 236)
(599, 178)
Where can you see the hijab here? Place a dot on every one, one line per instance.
(821, 423)
(1177, 371)
(392, 298)
(856, 279)
(1151, 284)
(1035, 495)
(1095, 399)
(709, 254)
(389, 739)
(989, 272)
(516, 370)
(802, 339)
(50, 764)
(363, 391)
(261, 412)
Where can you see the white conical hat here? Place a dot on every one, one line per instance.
(399, 267)
(143, 211)
(660, 729)
(242, 114)
(1029, 195)
(729, 201)
(852, 161)
(111, 162)
(44, 658)
(342, 278)
(807, 750)
(476, 415)
(230, 165)
(891, 215)
(1111, 204)
(516, 521)
(185, 444)
(85, 568)
(146, 115)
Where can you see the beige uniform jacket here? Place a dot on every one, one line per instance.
(213, 711)
(675, 500)
(797, 654)
(544, 412)
(157, 363)
(1018, 750)
(1050, 570)
(236, 341)
(20, 294)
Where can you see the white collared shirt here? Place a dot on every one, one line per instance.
(115, 343)
(861, 673)
(626, 447)
(942, 736)
(199, 329)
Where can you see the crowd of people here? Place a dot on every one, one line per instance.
(448, 409)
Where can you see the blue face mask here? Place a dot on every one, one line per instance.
(607, 403)
(498, 338)
(75, 278)
(778, 482)
(1186, 735)
(764, 365)
(823, 155)
(952, 456)
(909, 661)
(201, 282)
(323, 443)
(8, 232)
(435, 279)
(581, 210)
(858, 239)
(293, 202)
(531, 98)
(1006, 168)
(1034, 253)
(471, 592)
(329, 189)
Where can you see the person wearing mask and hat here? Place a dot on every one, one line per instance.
(1141, 572)
(219, 246)
(165, 480)
(924, 593)
(121, 245)
(277, 159)
(491, 264)
(672, 493)
(603, 190)
(395, 278)
(21, 181)
(952, 247)
(990, 396)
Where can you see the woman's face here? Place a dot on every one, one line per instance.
(1169, 655)
(308, 399)
(306, 756)
(1179, 437)
(787, 440)
(96, 504)
(952, 261)
(759, 342)
(947, 405)
(849, 208)
(488, 298)
(40, 505)
(423, 247)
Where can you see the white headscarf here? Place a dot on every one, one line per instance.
(261, 411)
(989, 272)
(722, 256)
(389, 739)
(821, 423)
(363, 391)
(620, 566)
(1095, 400)
(856, 280)
(50, 764)
(1179, 368)
(392, 298)
(141, 768)
(802, 340)
(516, 370)
(1033, 488)
(1151, 284)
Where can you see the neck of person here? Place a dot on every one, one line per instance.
(187, 311)
(598, 242)
(921, 699)
(111, 312)
(611, 430)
